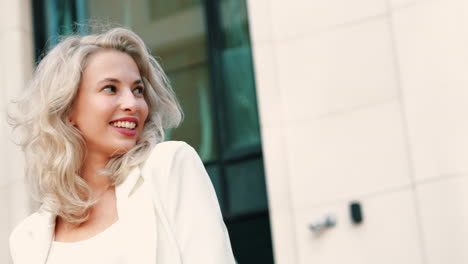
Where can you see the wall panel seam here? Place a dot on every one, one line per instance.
(407, 143)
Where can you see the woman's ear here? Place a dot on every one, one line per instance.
(71, 118)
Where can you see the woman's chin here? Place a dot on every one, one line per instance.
(122, 149)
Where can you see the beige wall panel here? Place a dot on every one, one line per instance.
(279, 196)
(283, 237)
(342, 156)
(2, 73)
(395, 4)
(4, 223)
(388, 234)
(3, 126)
(337, 71)
(301, 17)
(276, 169)
(260, 21)
(432, 41)
(269, 95)
(17, 54)
(16, 61)
(15, 15)
(4, 151)
(444, 213)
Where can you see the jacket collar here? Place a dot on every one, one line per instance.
(42, 227)
(124, 190)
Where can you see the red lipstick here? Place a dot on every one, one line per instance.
(126, 131)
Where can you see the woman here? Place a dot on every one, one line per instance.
(92, 126)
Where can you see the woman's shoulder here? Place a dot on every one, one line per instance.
(30, 228)
(23, 226)
(41, 217)
(168, 158)
(169, 146)
(165, 153)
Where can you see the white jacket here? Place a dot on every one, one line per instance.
(170, 204)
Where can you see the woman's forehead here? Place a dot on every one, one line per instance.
(111, 64)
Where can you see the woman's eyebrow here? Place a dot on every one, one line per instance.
(139, 81)
(109, 80)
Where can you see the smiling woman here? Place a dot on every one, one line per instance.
(92, 128)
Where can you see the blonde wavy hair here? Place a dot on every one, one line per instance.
(54, 149)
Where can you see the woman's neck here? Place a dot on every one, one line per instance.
(91, 170)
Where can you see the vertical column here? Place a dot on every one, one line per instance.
(269, 98)
(16, 63)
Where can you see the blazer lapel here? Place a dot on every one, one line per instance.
(137, 215)
(45, 239)
(167, 248)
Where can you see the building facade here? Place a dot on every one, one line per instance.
(361, 105)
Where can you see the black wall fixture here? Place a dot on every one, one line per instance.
(356, 212)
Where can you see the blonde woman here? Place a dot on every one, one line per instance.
(111, 191)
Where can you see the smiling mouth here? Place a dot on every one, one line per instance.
(124, 124)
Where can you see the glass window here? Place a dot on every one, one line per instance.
(175, 33)
(246, 187)
(240, 106)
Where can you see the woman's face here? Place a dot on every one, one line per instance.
(110, 109)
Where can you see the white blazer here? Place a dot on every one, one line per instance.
(170, 204)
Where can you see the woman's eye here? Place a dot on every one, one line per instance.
(139, 90)
(110, 88)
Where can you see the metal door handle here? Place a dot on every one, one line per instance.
(320, 225)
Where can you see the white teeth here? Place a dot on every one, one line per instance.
(124, 124)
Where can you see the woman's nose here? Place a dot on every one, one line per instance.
(128, 102)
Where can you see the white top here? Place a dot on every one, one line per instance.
(106, 247)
